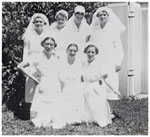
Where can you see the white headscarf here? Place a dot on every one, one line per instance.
(30, 28)
(112, 19)
(54, 25)
(63, 12)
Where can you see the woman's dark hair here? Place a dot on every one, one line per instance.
(61, 14)
(47, 38)
(72, 44)
(102, 11)
(91, 45)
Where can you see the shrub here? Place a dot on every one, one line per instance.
(15, 19)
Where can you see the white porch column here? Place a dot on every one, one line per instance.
(134, 50)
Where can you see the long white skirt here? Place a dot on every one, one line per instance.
(97, 108)
(44, 108)
(71, 104)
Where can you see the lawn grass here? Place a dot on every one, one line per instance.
(133, 121)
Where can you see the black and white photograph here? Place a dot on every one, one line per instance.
(74, 68)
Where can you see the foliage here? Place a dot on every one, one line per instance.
(133, 121)
(15, 19)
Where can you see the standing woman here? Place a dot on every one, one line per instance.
(78, 29)
(34, 34)
(57, 31)
(32, 44)
(97, 109)
(106, 29)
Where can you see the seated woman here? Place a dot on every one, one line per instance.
(97, 109)
(70, 107)
(49, 88)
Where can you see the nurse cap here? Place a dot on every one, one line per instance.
(79, 9)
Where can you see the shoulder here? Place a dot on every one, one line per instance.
(84, 63)
(34, 58)
(64, 29)
(98, 61)
(62, 60)
(57, 61)
(111, 28)
(70, 22)
(85, 24)
(27, 37)
(53, 25)
(35, 55)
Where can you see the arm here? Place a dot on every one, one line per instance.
(23, 65)
(87, 38)
(61, 82)
(26, 50)
(89, 32)
(28, 68)
(119, 54)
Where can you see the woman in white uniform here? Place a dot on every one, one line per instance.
(32, 44)
(105, 32)
(58, 32)
(97, 108)
(78, 29)
(48, 91)
(71, 104)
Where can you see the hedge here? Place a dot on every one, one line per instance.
(15, 19)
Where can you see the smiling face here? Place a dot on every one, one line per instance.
(91, 52)
(61, 20)
(79, 16)
(39, 23)
(103, 16)
(71, 51)
(48, 45)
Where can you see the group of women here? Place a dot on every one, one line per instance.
(77, 66)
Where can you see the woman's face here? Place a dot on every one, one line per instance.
(39, 23)
(103, 16)
(91, 52)
(79, 16)
(72, 51)
(61, 20)
(48, 45)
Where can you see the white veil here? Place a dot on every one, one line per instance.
(30, 28)
(63, 12)
(112, 19)
(54, 25)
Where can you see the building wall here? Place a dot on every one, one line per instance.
(135, 45)
(144, 74)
